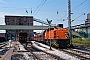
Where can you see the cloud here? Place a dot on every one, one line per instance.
(2, 21)
(2, 14)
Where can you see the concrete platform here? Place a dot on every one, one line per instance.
(8, 54)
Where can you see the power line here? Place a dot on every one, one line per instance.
(79, 5)
(38, 6)
(64, 16)
(41, 7)
(45, 3)
(42, 3)
(50, 1)
(76, 7)
(78, 20)
(25, 7)
(78, 17)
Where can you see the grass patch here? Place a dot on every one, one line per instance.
(81, 41)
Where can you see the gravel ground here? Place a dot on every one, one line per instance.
(3, 51)
(29, 56)
(62, 54)
(18, 57)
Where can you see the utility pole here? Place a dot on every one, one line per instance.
(69, 20)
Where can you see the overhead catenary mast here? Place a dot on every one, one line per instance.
(69, 20)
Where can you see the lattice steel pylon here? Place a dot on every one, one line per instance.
(43, 22)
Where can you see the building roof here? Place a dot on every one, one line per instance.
(17, 16)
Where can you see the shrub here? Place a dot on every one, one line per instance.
(85, 41)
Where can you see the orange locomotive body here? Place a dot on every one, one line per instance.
(59, 37)
(57, 34)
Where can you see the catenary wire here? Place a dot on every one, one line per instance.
(40, 7)
(76, 7)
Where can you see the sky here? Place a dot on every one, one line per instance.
(46, 9)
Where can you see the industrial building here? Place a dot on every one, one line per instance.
(18, 20)
(88, 17)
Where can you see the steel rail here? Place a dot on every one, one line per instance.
(75, 54)
(52, 55)
(82, 52)
(31, 52)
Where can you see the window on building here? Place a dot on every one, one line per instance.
(20, 23)
(8, 24)
(30, 23)
(7, 19)
(30, 20)
(20, 20)
(25, 20)
(13, 20)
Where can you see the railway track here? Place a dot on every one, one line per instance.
(3, 44)
(78, 53)
(41, 55)
(86, 48)
(3, 49)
